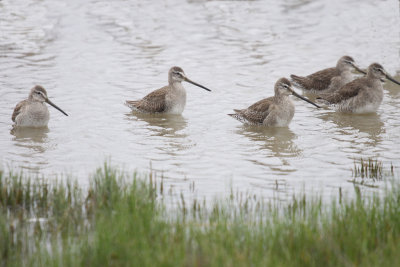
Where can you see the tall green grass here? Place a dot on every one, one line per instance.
(120, 220)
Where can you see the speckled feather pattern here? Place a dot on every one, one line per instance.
(272, 112)
(168, 99)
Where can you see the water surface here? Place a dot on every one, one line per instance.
(93, 55)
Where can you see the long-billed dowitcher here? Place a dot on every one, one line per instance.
(277, 110)
(363, 95)
(329, 79)
(168, 99)
(32, 112)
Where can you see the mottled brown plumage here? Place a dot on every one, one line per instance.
(256, 113)
(18, 108)
(328, 79)
(319, 80)
(349, 90)
(151, 103)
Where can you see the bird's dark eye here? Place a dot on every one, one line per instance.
(38, 93)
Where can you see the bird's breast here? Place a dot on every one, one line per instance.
(35, 114)
(176, 99)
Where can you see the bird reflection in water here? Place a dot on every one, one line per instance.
(161, 124)
(278, 140)
(371, 124)
(31, 144)
(32, 138)
(168, 126)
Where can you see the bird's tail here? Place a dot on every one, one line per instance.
(323, 102)
(237, 115)
(298, 81)
(131, 104)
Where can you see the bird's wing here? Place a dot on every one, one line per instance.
(322, 79)
(18, 109)
(151, 103)
(349, 90)
(319, 80)
(257, 112)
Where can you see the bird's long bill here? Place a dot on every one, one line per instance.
(51, 103)
(305, 99)
(199, 85)
(358, 69)
(391, 79)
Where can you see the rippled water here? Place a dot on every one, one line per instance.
(93, 55)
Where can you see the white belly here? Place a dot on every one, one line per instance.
(283, 122)
(177, 108)
(367, 108)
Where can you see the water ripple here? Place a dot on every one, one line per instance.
(91, 56)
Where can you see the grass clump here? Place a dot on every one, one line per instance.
(368, 172)
(120, 220)
(371, 169)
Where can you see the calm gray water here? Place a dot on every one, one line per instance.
(93, 55)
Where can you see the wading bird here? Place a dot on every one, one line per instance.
(277, 110)
(33, 112)
(330, 79)
(363, 95)
(168, 99)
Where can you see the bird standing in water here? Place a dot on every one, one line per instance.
(33, 112)
(169, 99)
(275, 111)
(330, 79)
(363, 95)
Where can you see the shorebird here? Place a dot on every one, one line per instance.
(363, 95)
(329, 79)
(32, 112)
(168, 99)
(275, 111)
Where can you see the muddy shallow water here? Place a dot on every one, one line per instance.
(91, 56)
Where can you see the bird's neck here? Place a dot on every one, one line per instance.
(281, 97)
(372, 77)
(177, 85)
